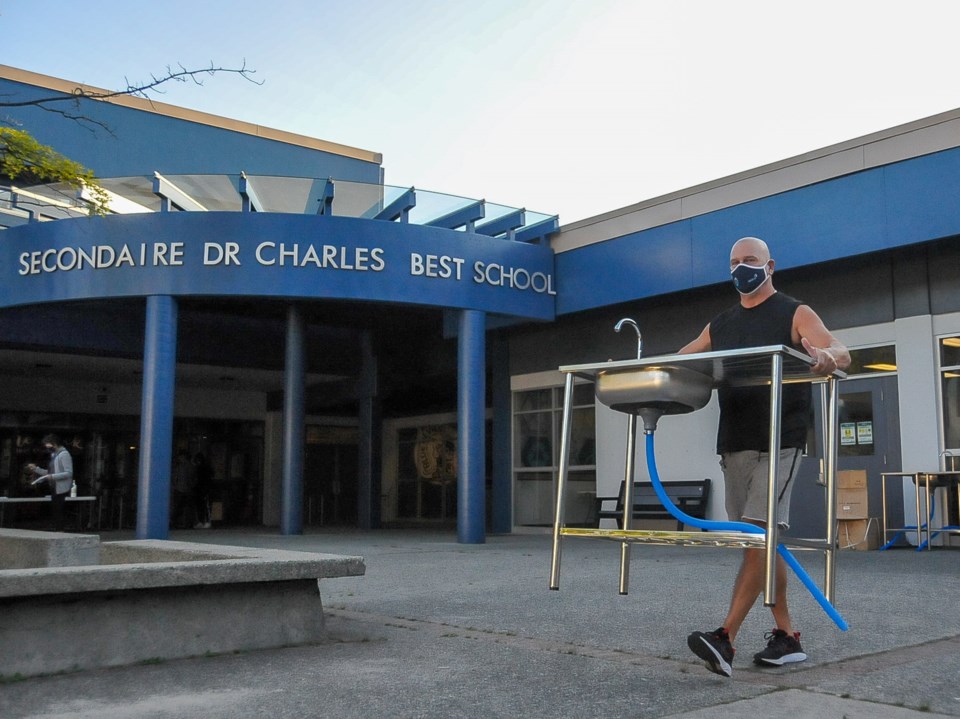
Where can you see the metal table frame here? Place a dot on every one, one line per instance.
(930, 482)
(773, 365)
(79, 501)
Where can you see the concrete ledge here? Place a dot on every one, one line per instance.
(153, 599)
(25, 549)
(150, 563)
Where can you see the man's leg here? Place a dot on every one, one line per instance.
(745, 482)
(748, 586)
(57, 503)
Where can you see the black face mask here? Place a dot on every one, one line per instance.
(747, 278)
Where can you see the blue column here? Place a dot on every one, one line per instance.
(501, 514)
(294, 418)
(471, 401)
(156, 418)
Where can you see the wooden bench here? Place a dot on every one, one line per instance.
(690, 495)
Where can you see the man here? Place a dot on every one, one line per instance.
(59, 477)
(762, 317)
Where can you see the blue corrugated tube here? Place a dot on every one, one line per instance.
(737, 527)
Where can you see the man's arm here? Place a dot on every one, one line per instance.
(830, 354)
(700, 344)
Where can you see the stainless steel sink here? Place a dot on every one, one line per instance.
(664, 390)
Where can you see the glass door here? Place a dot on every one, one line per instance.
(869, 427)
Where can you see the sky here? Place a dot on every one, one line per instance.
(569, 107)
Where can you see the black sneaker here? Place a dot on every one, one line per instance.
(715, 649)
(781, 649)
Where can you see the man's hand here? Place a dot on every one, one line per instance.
(825, 363)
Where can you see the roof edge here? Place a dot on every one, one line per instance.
(181, 113)
(846, 145)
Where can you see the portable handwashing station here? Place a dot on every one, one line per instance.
(678, 384)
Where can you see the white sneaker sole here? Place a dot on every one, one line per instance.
(785, 659)
(712, 659)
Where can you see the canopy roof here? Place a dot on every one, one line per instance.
(297, 195)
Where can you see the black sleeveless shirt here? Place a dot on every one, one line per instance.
(745, 411)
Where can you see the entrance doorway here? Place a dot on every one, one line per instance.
(869, 421)
(234, 450)
(330, 472)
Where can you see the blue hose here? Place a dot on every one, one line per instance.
(913, 527)
(682, 516)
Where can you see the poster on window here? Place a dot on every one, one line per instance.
(848, 433)
(864, 432)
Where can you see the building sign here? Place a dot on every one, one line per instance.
(273, 255)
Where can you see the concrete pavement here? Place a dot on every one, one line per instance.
(440, 629)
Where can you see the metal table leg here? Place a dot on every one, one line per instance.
(628, 477)
(562, 480)
(831, 417)
(770, 585)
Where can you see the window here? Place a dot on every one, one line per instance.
(871, 360)
(856, 424)
(537, 420)
(950, 389)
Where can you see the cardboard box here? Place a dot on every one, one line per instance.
(852, 479)
(852, 500)
(859, 534)
(852, 504)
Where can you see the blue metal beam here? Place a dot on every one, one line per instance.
(294, 418)
(156, 418)
(503, 225)
(463, 217)
(316, 200)
(9, 219)
(326, 199)
(398, 208)
(538, 231)
(251, 202)
(169, 193)
(471, 431)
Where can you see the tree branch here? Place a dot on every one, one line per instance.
(140, 89)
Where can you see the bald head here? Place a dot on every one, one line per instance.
(750, 250)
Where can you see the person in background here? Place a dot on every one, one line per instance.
(203, 486)
(58, 475)
(184, 482)
(761, 318)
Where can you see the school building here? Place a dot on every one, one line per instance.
(347, 352)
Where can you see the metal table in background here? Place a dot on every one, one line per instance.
(79, 501)
(774, 366)
(931, 482)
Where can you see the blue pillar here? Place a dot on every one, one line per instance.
(156, 418)
(294, 418)
(501, 511)
(471, 443)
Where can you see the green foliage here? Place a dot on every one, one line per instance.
(24, 160)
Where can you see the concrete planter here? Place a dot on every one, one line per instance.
(154, 599)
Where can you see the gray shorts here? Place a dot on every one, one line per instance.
(745, 484)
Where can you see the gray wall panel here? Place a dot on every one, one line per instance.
(866, 290)
(943, 261)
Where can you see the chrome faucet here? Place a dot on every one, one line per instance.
(628, 321)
